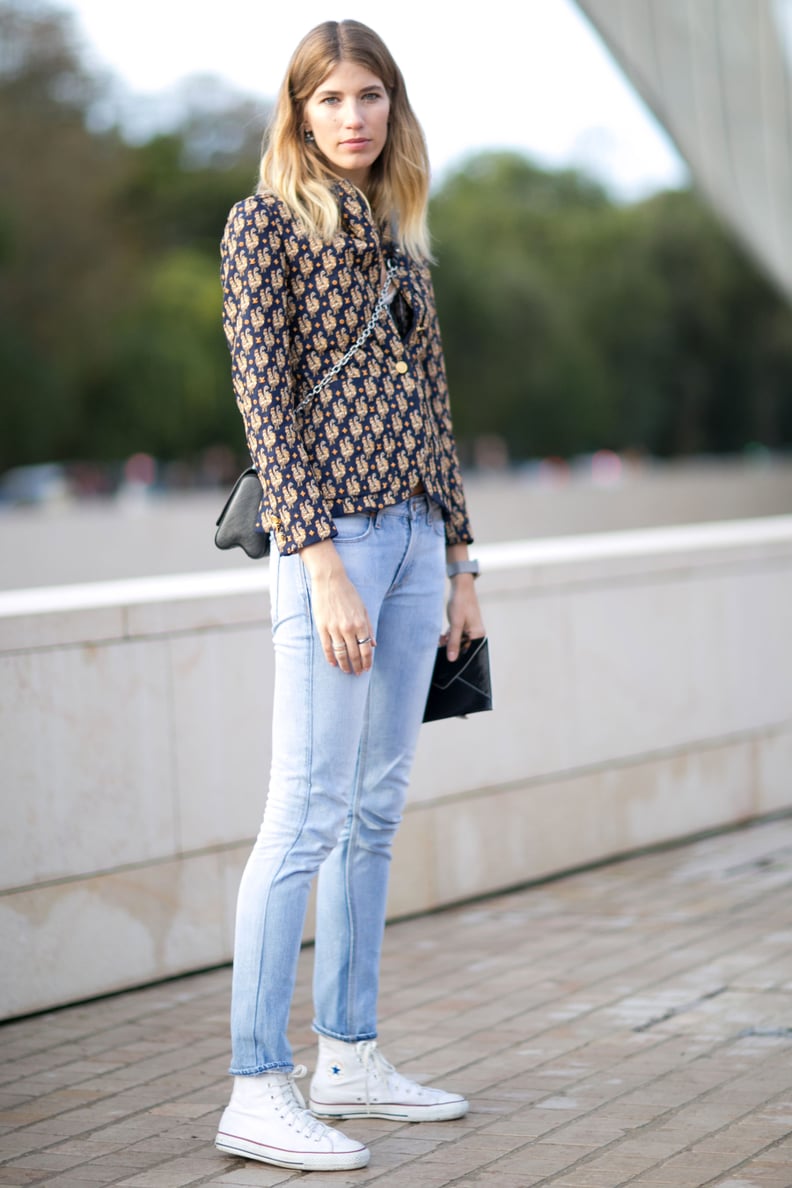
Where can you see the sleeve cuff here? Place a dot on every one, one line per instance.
(298, 537)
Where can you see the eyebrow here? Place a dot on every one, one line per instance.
(361, 90)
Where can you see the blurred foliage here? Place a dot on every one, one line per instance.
(110, 334)
(571, 323)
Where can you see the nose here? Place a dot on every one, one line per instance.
(353, 114)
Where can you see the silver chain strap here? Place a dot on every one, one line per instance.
(365, 334)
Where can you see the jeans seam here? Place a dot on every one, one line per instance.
(351, 842)
(298, 832)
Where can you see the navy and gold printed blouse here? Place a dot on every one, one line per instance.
(292, 306)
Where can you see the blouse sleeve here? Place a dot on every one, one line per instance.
(255, 276)
(458, 530)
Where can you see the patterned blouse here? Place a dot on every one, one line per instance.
(292, 305)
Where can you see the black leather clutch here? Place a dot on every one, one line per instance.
(237, 524)
(462, 687)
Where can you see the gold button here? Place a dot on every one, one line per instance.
(401, 367)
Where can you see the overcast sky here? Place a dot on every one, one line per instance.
(531, 75)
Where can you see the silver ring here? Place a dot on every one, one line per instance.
(364, 641)
(339, 647)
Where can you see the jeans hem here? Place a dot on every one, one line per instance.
(345, 1039)
(262, 1068)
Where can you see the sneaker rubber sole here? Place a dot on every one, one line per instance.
(391, 1111)
(235, 1144)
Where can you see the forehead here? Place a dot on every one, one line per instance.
(349, 76)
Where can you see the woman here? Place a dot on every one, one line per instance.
(339, 375)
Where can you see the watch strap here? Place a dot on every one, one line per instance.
(455, 567)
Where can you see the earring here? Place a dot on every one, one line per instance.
(309, 136)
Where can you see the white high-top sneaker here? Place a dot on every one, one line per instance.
(355, 1080)
(266, 1119)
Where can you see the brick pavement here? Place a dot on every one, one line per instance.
(630, 1024)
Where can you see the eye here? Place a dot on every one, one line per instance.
(329, 99)
(369, 95)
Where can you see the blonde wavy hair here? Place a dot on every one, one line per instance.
(398, 183)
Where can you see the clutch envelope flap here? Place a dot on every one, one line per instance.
(465, 669)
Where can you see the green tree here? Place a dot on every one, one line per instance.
(520, 364)
(570, 322)
(168, 391)
(109, 267)
(573, 323)
(61, 268)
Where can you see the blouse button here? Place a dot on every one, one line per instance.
(401, 367)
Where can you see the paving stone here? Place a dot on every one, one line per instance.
(627, 1025)
(253, 1176)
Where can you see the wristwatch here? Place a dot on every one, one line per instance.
(455, 567)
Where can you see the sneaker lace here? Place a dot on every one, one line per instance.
(374, 1064)
(299, 1116)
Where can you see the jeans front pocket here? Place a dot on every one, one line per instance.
(289, 589)
(352, 528)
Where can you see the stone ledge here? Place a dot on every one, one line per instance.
(99, 611)
(642, 693)
(166, 918)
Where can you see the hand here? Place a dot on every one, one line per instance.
(339, 613)
(464, 616)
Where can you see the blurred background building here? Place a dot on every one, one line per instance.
(718, 75)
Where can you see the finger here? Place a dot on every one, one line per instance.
(454, 640)
(359, 653)
(366, 647)
(360, 647)
(356, 661)
(334, 650)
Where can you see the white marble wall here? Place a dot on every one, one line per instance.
(643, 693)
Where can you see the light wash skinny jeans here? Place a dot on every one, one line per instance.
(342, 750)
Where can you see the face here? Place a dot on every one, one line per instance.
(348, 115)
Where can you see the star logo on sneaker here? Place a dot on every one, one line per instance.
(335, 1070)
